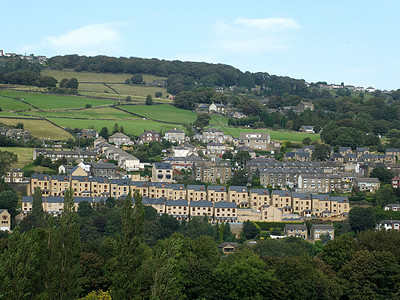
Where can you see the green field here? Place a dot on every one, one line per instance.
(135, 127)
(90, 113)
(12, 104)
(25, 155)
(50, 101)
(275, 135)
(162, 112)
(95, 77)
(40, 128)
(11, 114)
(94, 82)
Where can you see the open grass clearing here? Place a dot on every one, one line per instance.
(41, 129)
(162, 112)
(12, 104)
(135, 127)
(95, 87)
(51, 101)
(138, 90)
(90, 113)
(11, 114)
(25, 155)
(95, 77)
(275, 134)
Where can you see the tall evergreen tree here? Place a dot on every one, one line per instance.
(37, 207)
(64, 254)
(115, 128)
(129, 275)
(22, 266)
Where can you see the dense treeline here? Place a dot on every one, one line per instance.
(131, 253)
(184, 76)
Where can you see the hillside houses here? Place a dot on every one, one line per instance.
(256, 141)
(125, 160)
(175, 136)
(292, 206)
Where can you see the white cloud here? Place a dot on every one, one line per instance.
(254, 36)
(273, 24)
(88, 40)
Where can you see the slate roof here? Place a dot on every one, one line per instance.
(180, 202)
(259, 191)
(201, 203)
(153, 201)
(217, 188)
(238, 188)
(295, 227)
(225, 205)
(281, 193)
(165, 166)
(196, 188)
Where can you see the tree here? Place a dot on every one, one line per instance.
(383, 174)
(7, 158)
(306, 141)
(202, 121)
(115, 129)
(239, 178)
(64, 254)
(231, 281)
(321, 152)
(104, 133)
(250, 230)
(63, 82)
(385, 196)
(158, 94)
(37, 207)
(227, 155)
(132, 252)
(149, 100)
(300, 278)
(371, 275)
(242, 157)
(137, 79)
(22, 266)
(361, 218)
(72, 84)
(9, 201)
(121, 129)
(128, 98)
(339, 251)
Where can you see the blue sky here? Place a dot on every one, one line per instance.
(355, 42)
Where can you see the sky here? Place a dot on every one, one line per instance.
(355, 42)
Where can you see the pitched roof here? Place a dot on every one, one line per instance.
(225, 205)
(201, 203)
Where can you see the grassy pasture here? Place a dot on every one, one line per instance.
(10, 114)
(25, 155)
(162, 112)
(12, 104)
(95, 77)
(275, 135)
(138, 90)
(39, 128)
(135, 127)
(90, 113)
(95, 87)
(50, 101)
(93, 82)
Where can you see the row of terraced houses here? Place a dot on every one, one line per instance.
(303, 204)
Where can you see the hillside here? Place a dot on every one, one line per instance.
(46, 114)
